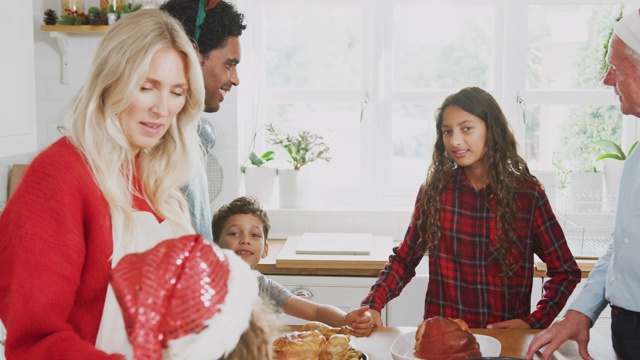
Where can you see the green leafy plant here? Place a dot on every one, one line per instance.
(303, 148)
(78, 19)
(563, 174)
(262, 159)
(614, 151)
(255, 159)
(112, 9)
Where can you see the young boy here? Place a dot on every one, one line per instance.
(243, 226)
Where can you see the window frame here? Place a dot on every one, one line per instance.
(508, 87)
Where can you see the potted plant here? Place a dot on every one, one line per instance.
(586, 189)
(303, 148)
(112, 15)
(580, 187)
(260, 180)
(613, 162)
(259, 161)
(614, 151)
(128, 8)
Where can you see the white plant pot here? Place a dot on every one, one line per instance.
(295, 188)
(586, 191)
(260, 182)
(112, 18)
(612, 175)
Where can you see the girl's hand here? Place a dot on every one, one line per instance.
(376, 317)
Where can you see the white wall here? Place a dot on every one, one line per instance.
(52, 96)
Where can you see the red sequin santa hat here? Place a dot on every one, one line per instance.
(185, 298)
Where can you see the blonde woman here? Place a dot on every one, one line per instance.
(107, 188)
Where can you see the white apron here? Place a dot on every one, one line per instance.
(112, 335)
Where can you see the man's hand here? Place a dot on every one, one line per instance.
(573, 325)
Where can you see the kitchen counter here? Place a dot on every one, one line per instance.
(514, 343)
(268, 266)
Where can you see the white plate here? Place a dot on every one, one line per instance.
(402, 348)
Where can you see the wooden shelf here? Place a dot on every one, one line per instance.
(78, 29)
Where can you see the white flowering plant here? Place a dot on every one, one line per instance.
(303, 147)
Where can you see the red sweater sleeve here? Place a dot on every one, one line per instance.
(55, 245)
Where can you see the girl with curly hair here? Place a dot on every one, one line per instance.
(480, 217)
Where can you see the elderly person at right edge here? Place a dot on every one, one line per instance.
(616, 277)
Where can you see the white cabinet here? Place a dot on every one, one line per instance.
(17, 71)
(408, 308)
(345, 293)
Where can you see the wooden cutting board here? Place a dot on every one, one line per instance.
(380, 250)
(334, 244)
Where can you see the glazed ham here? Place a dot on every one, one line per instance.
(439, 338)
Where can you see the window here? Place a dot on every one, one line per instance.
(570, 107)
(369, 74)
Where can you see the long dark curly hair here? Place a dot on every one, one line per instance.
(222, 22)
(505, 168)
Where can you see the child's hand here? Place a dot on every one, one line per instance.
(360, 321)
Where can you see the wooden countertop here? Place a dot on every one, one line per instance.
(268, 266)
(514, 343)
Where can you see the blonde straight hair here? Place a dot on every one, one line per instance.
(119, 69)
